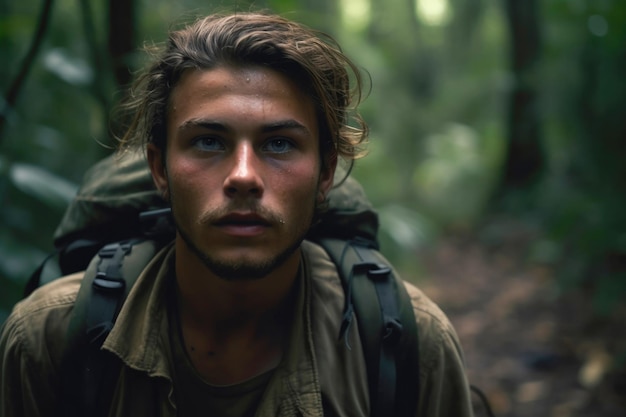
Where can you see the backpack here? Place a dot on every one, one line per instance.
(118, 222)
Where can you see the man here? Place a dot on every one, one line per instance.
(242, 118)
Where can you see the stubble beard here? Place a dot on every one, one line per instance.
(243, 269)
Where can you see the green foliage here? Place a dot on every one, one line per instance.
(32, 196)
(455, 177)
(585, 240)
(584, 96)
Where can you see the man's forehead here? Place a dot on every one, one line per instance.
(222, 98)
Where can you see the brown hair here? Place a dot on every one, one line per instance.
(311, 59)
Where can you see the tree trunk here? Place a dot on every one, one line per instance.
(525, 158)
(121, 38)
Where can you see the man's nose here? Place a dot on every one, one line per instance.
(243, 178)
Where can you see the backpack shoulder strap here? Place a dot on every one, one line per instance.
(89, 373)
(388, 334)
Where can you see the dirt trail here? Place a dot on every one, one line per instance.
(532, 352)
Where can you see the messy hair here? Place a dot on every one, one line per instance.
(312, 60)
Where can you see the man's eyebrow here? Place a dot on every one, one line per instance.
(288, 124)
(203, 123)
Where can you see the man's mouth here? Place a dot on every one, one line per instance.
(239, 219)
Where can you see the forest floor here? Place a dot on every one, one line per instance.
(531, 351)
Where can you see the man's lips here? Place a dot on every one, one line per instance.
(243, 225)
(242, 219)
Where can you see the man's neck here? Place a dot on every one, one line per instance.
(234, 329)
(209, 298)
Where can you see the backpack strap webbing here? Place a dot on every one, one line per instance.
(78, 249)
(388, 334)
(89, 373)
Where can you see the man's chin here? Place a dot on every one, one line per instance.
(240, 271)
(242, 266)
(247, 269)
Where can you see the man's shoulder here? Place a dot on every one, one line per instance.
(32, 344)
(40, 320)
(424, 308)
(437, 337)
(56, 294)
(427, 312)
(435, 332)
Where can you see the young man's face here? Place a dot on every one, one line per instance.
(242, 169)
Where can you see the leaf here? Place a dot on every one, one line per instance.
(43, 185)
(71, 70)
(406, 227)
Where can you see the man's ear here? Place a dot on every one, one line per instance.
(156, 161)
(327, 177)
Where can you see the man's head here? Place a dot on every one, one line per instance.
(243, 118)
(310, 59)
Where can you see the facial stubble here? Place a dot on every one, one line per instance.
(245, 269)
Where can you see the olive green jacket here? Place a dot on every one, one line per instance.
(318, 375)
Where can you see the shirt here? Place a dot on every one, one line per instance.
(318, 375)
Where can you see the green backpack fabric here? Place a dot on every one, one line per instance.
(118, 221)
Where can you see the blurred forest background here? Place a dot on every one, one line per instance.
(496, 160)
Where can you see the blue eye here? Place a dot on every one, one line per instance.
(209, 144)
(278, 145)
